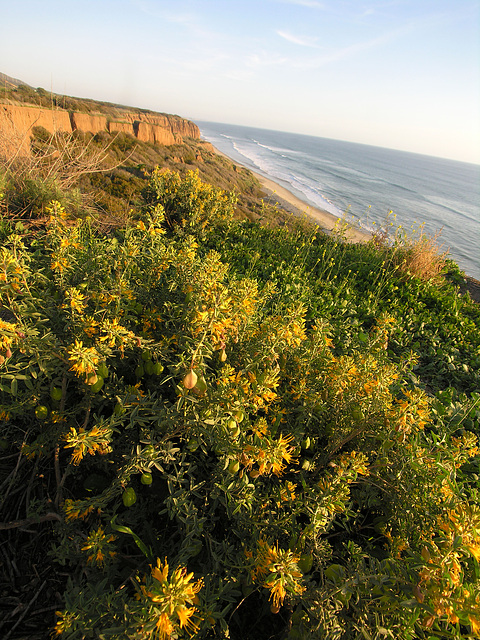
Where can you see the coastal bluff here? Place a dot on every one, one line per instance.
(18, 120)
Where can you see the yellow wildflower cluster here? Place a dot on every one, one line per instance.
(410, 413)
(74, 300)
(11, 273)
(64, 239)
(96, 440)
(223, 312)
(441, 578)
(8, 335)
(381, 331)
(152, 228)
(255, 388)
(281, 332)
(56, 210)
(84, 360)
(90, 326)
(287, 493)
(171, 599)
(362, 377)
(77, 509)
(187, 254)
(152, 320)
(266, 454)
(277, 570)
(65, 621)
(463, 448)
(59, 263)
(113, 334)
(98, 547)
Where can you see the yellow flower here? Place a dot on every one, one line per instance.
(90, 326)
(84, 359)
(164, 626)
(475, 624)
(97, 440)
(474, 550)
(75, 300)
(97, 543)
(77, 509)
(277, 570)
(65, 620)
(184, 617)
(171, 598)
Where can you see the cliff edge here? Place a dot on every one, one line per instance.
(18, 120)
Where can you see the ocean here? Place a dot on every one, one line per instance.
(366, 183)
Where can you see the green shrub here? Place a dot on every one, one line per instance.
(188, 203)
(207, 454)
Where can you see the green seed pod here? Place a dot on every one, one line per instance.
(129, 497)
(201, 385)
(56, 394)
(118, 409)
(149, 367)
(306, 443)
(157, 368)
(41, 412)
(357, 414)
(146, 478)
(305, 563)
(95, 388)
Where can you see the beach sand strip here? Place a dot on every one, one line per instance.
(289, 202)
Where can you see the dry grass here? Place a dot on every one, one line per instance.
(50, 169)
(420, 255)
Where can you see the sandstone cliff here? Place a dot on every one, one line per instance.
(17, 121)
(88, 122)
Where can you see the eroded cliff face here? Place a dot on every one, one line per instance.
(88, 122)
(17, 122)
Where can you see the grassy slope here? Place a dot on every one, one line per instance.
(349, 286)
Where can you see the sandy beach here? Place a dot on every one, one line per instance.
(290, 202)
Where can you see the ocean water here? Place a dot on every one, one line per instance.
(366, 183)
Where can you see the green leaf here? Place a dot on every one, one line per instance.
(141, 545)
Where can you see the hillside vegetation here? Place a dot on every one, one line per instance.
(217, 428)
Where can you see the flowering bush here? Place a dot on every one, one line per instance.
(174, 409)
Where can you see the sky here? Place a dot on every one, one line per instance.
(403, 74)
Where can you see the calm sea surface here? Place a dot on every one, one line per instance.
(367, 182)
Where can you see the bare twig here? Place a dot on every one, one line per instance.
(15, 524)
(26, 610)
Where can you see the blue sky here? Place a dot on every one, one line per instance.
(403, 74)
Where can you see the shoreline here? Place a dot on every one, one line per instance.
(291, 203)
(326, 221)
(288, 201)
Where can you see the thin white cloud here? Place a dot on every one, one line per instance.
(353, 50)
(304, 41)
